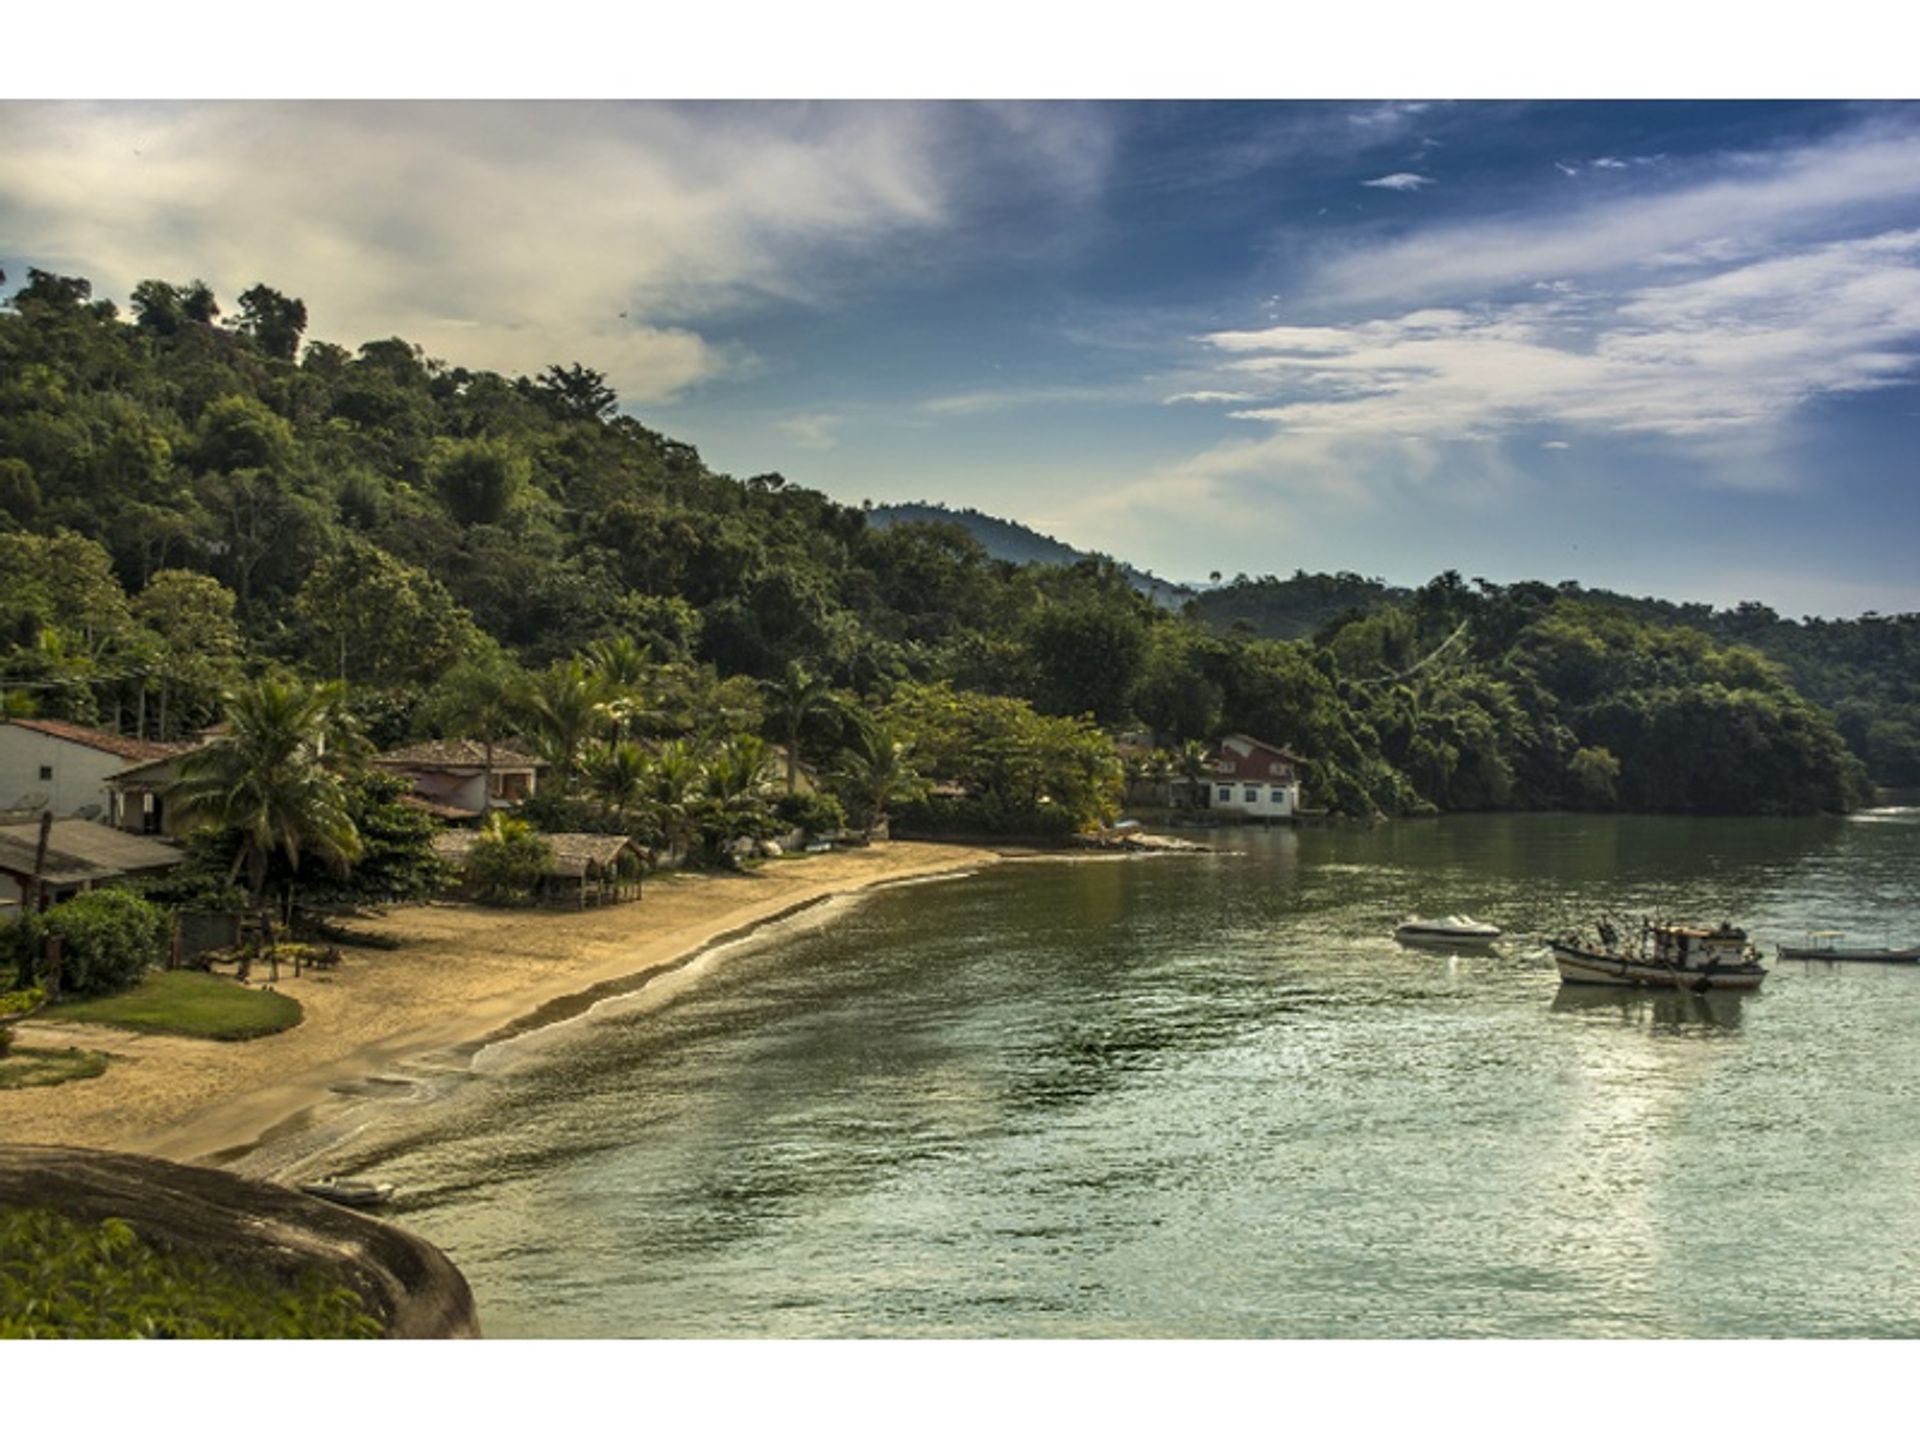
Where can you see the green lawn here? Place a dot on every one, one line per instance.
(23, 1066)
(185, 1002)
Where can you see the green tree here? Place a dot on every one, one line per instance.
(370, 618)
(877, 771)
(576, 392)
(508, 861)
(271, 780)
(274, 321)
(482, 697)
(198, 645)
(564, 705)
(1595, 776)
(481, 481)
(790, 701)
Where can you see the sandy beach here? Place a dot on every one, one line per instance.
(464, 973)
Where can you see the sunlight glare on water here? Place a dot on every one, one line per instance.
(1212, 1096)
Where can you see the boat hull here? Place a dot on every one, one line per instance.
(1858, 957)
(1412, 935)
(1592, 967)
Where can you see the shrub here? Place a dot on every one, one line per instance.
(108, 938)
(981, 815)
(506, 865)
(818, 814)
(63, 1278)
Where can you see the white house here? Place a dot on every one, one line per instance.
(450, 776)
(1255, 779)
(63, 767)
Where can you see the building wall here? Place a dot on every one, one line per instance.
(79, 772)
(1267, 802)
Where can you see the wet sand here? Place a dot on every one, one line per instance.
(463, 974)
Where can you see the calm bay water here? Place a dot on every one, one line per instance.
(1211, 1096)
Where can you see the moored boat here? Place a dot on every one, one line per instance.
(1825, 945)
(1453, 930)
(1665, 956)
(359, 1194)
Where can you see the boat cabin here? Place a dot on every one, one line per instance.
(1693, 947)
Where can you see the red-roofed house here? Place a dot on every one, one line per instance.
(60, 766)
(1258, 780)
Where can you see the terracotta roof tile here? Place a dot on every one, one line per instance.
(125, 746)
(456, 754)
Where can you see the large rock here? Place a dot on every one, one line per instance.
(415, 1289)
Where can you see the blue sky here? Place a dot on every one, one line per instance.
(1665, 347)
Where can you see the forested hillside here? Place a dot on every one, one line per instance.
(1865, 671)
(1022, 544)
(190, 498)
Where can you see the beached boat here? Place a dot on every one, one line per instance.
(1664, 956)
(360, 1194)
(1825, 945)
(1454, 930)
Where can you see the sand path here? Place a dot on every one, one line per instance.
(463, 974)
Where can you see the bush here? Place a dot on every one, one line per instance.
(108, 939)
(507, 863)
(64, 1278)
(818, 814)
(979, 815)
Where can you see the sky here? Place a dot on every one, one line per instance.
(1669, 348)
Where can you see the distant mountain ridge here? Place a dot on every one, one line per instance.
(1023, 545)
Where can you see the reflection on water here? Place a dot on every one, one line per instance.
(1213, 1096)
(1664, 1011)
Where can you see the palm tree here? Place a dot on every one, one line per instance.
(625, 668)
(269, 780)
(877, 772)
(672, 793)
(617, 776)
(565, 703)
(484, 700)
(1196, 765)
(1159, 774)
(791, 700)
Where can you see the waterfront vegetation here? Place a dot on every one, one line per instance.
(69, 1279)
(340, 551)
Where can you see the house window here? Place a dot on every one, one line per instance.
(46, 772)
(1226, 792)
(1253, 794)
(1279, 795)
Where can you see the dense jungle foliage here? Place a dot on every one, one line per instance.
(189, 502)
(67, 1279)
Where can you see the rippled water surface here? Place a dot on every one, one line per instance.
(1211, 1096)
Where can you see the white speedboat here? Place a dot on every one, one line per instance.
(359, 1194)
(1664, 956)
(1453, 930)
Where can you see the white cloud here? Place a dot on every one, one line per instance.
(812, 432)
(1555, 445)
(1399, 180)
(1822, 191)
(506, 236)
(1717, 362)
(1211, 397)
(1388, 114)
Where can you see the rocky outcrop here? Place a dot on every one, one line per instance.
(415, 1289)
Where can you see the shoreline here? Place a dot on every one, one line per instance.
(464, 978)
